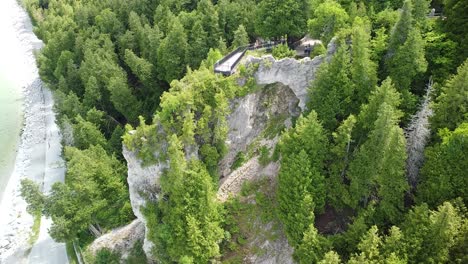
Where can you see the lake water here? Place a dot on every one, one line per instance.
(10, 97)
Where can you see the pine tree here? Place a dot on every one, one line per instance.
(172, 53)
(301, 181)
(139, 66)
(294, 198)
(332, 90)
(197, 47)
(385, 93)
(363, 69)
(240, 37)
(401, 29)
(443, 176)
(312, 247)
(369, 247)
(408, 61)
(210, 21)
(337, 192)
(379, 167)
(331, 257)
(451, 106)
(190, 220)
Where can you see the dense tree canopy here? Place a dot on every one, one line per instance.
(340, 195)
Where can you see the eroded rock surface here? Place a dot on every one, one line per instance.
(143, 185)
(120, 240)
(297, 74)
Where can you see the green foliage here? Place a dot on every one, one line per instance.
(362, 69)
(318, 49)
(422, 226)
(189, 220)
(197, 47)
(264, 158)
(139, 66)
(312, 247)
(86, 134)
(301, 180)
(379, 167)
(443, 176)
(340, 156)
(282, 51)
(33, 196)
(94, 194)
(172, 53)
(328, 18)
(455, 24)
(331, 257)
(277, 18)
(105, 256)
(238, 160)
(385, 93)
(451, 106)
(240, 37)
(332, 90)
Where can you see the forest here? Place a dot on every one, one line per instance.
(146, 66)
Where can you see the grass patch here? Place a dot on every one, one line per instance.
(264, 158)
(35, 228)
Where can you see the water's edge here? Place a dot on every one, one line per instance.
(38, 157)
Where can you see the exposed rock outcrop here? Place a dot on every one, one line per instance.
(143, 185)
(120, 240)
(273, 105)
(253, 122)
(297, 74)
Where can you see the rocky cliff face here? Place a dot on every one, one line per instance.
(255, 121)
(143, 184)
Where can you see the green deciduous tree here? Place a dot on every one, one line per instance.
(329, 17)
(32, 194)
(240, 37)
(277, 18)
(94, 195)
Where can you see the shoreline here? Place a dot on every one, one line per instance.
(33, 156)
